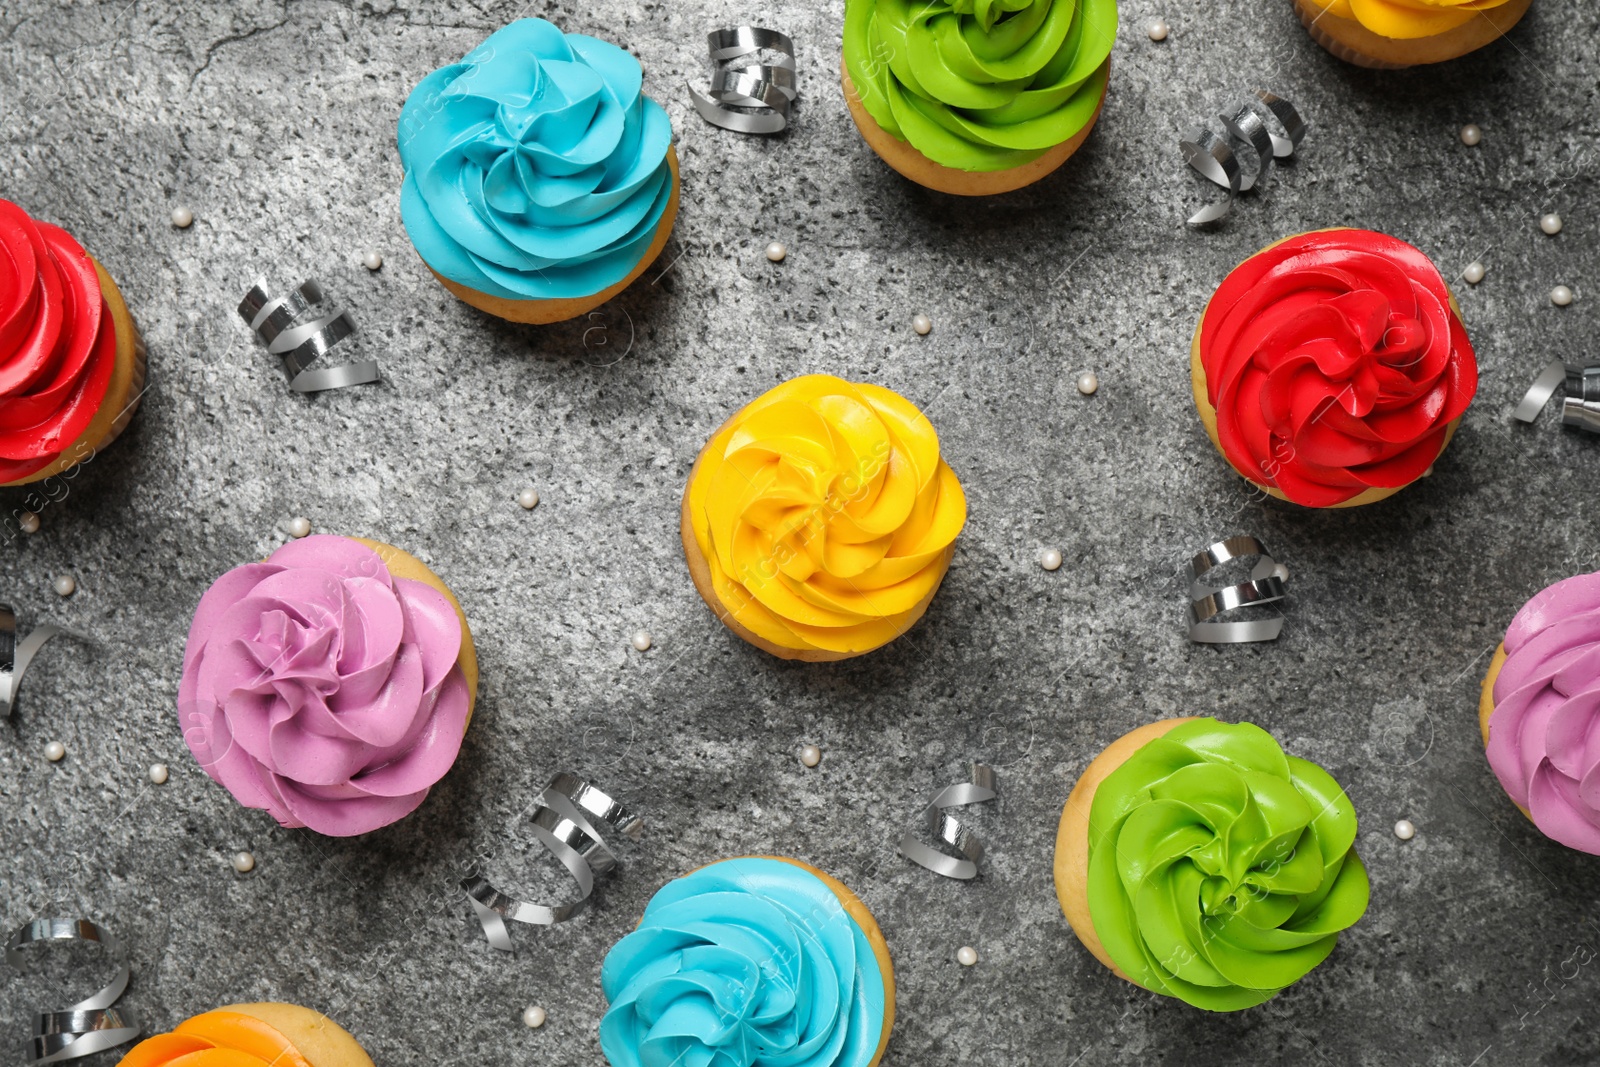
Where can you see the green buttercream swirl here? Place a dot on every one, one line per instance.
(1220, 869)
(980, 85)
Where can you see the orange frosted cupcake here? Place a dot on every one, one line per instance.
(1392, 34)
(252, 1035)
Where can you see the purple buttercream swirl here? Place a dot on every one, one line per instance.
(322, 689)
(1544, 734)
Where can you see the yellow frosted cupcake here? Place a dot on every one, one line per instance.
(819, 521)
(252, 1035)
(1392, 34)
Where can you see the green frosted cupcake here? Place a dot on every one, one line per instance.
(975, 97)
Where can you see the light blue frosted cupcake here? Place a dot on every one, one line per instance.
(753, 962)
(540, 180)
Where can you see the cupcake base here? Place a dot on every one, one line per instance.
(323, 1042)
(1072, 835)
(1352, 42)
(544, 312)
(122, 393)
(912, 164)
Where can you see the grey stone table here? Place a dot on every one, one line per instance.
(274, 123)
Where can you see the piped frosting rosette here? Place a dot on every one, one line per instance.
(821, 519)
(748, 963)
(1221, 869)
(980, 85)
(1408, 19)
(1543, 733)
(536, 169)
(324, 689)
(1333, 364)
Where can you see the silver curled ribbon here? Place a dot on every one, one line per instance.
(1581, 407)
(948, 830)
(1208, 603)
(561, 822)
(1212, 154)
(740, 80)
(294, 327)
(15, 656)
(88, 1026)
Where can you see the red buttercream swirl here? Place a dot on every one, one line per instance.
(1336, 363)
(58, 345)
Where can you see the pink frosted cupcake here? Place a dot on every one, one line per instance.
(1540, 712)
(329, 685)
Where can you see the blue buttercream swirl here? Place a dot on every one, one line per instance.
(745, 963)
(536, 169)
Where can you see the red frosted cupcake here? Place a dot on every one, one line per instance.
(1332, 368)
(72, 363)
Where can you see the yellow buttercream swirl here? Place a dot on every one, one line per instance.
(825, 515)
(1408, 19)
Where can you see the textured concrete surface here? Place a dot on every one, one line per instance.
(275, 122)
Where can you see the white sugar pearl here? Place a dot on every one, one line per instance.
(641, 640)
(1050, 559)
(1474, 273)
(528, 498)
(243, 862)
(29, 522)
(1551, 224)
(1561, 296)
(533, 1017)
(967, 956)
(1088, 383)
(1429, 472)
(922, 324)
(776, 252)
(299, 526)
(65, 585)
(1159, 30)
(1404, 830)
(55, 751)
(810, 755)
(158, 773)
(372, 261)
(182, 218)
(1471, 135)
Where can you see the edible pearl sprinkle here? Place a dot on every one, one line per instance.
(1159, 30)
(55, 751)
(243, 862)
(967, 956)
(182, 218)
(641, 641)
(1471, 135)
(1474, 273)
(776, 252)
(1551, 224)
(158, 773)
(1561, 296)
(29, 522)
(528, 498)
(1050, 559)
(922, 324)
(66, 585)
(533, 1017)
(1429, 472)
(1088, 383)
(299, 526)
(1404, 830)
(372, 261)
(810, 755)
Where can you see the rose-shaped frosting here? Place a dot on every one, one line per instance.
(240, 1040)
(1336, 363)
(323, 689)
(980, 85)
(1220, 869)
(1406, 19)
(1544, 735)
(58, 345)
(825, 514)
(535, 167)
(745, 963)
